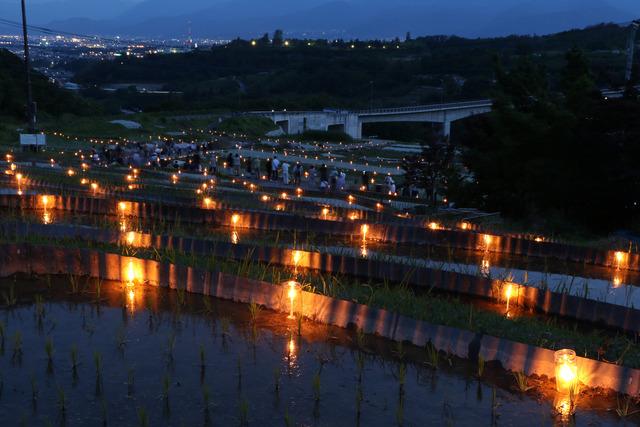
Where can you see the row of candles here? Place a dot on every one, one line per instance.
(566, 367)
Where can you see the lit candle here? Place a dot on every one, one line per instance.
(621, 259)
(292, 296)
(566, 370)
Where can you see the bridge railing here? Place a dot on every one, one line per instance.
(431, 107)
(418, 108)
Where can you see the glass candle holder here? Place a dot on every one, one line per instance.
(566, 370)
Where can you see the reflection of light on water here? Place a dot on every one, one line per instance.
(291, 356)
(363, 251)
(564, 407)
(617, 279)
(234, 237)
(46, 217)
(485, 266)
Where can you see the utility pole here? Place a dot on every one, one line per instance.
(630, 50)
(31, 107)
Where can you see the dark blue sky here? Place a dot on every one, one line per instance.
(340, 18)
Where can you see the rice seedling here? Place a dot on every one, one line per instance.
(166, 383)
(48, 347)
(224, 324)
(10, 298)
(98, 290)
(171, 343)
(143, 417)
(299, 318)
(239, 370)
(208, 305)
(2, 335)
(62, 401)
(276, 379)
(432, 356)
(17, 345)
(104, 410)
(522, 382)
(359, 398)
(181, 296)
(481, 365)
(74, 357)
(206, 397)
(254, 311)
(97, 361)
(402, 376)
(361, 338)
(243, 409)
(121, 338)
(360, 359)
(316, 387)
(130, 381)
(623, 408)
(399, 350)
(202, 357)
(39, 307)
(400, 412)
(74, 284)
(495, 405)
(34, 388)
(288, 419)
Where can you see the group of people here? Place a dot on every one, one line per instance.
(274, 169)
(198, 157)
(158, 154)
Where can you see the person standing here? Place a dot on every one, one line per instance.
(324, 173)
(285, 173)
(275, 164)
(269, 166)
(236, 164)
(342, 180)
(230, 160)
(365, 180)
(255, 167)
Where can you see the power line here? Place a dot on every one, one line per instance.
(53, 32)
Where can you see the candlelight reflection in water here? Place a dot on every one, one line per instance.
(485, 267)
(291, 355)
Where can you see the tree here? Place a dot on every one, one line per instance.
(430, 169)
(278, 38)
(558, 158)
(408, 38)
(264, 40)
(577, 83)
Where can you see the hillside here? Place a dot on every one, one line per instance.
(49, 98)
(319, 74)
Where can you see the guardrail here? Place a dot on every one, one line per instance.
(428, 108)
(418, 108)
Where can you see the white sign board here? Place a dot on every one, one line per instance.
(37, 139)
